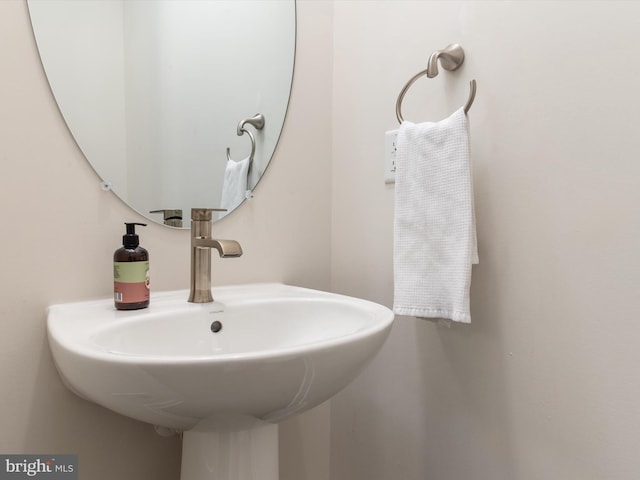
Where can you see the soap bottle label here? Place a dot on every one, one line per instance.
(131, 282)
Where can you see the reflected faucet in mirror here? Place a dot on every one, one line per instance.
(201, 245)
(171, 217)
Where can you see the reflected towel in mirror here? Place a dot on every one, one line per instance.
(234, 188)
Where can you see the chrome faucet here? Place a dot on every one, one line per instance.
(201, 245)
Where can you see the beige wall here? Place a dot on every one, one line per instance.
(544, 383)
(60, 230)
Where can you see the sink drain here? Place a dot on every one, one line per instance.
(216, 326)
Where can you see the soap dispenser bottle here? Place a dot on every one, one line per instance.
(131, 272)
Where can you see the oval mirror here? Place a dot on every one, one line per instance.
(156, 91)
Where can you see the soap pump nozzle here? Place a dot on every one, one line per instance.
(130, 239)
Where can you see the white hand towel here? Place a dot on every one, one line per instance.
(234, 188)
(434, 226)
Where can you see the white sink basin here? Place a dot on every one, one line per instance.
(280, 351)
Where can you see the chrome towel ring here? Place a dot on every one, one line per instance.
(451, 57)
(258, 123)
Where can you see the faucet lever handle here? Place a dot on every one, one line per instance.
(204, 213)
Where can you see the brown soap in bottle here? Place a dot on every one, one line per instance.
(131, 272)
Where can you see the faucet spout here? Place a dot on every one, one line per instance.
(201, 245)
(225, 248)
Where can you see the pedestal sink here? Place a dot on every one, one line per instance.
(224, 373)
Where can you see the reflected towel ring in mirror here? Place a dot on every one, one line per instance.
(258, 122)
(451, 57)
(186, 99)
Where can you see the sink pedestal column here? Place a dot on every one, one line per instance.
(247, 454)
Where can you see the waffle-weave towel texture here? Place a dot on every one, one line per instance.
(434, 225)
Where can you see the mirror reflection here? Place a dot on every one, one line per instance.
(160, 94)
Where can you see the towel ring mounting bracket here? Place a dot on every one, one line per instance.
(451, 58)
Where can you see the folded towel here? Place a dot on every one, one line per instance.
(434, 226)
(234, 188)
